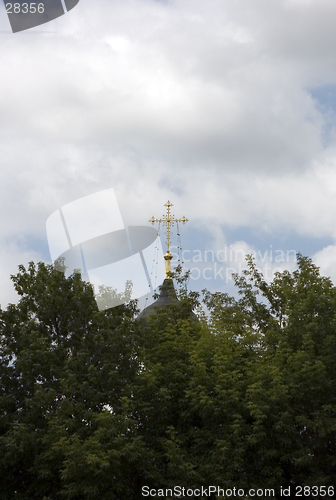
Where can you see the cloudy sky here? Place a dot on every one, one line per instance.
(226, 108)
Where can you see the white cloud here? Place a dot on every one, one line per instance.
(12, 254)
(325, 259)
(202, 102)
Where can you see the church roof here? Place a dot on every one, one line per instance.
(167, 297)
(167, 291)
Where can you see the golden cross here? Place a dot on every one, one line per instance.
(169, 221)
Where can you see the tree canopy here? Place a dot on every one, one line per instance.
(97, 404)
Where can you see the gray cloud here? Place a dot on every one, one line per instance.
(203, 102)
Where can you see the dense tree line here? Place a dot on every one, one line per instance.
(97, 404)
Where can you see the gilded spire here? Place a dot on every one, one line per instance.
(168, 220)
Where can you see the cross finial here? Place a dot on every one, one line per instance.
(168, 220)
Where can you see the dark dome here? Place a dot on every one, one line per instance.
(166, 298)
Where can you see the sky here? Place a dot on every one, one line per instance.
(227, 109)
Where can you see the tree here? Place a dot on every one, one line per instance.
(267, 388)
(97, 404)
(64, 365)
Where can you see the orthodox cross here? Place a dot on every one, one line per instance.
(168, 220)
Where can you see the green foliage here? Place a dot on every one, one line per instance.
(274, 384)
(62, 364)
(96, 404)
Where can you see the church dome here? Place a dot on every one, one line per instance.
(166, 298)
(167, 291)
